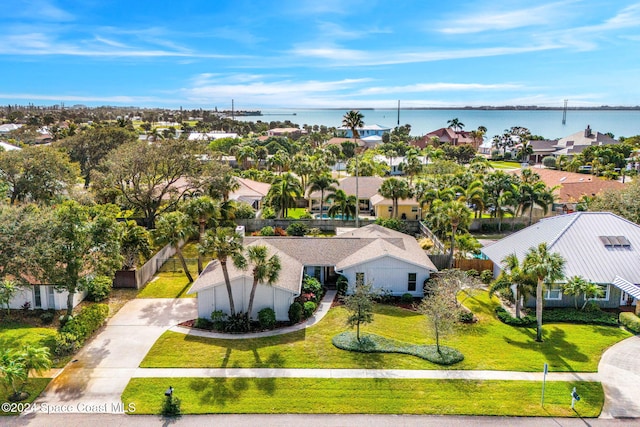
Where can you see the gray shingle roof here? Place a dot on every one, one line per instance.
(361, 245)
(576, 238)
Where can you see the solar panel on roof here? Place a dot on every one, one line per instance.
(615, 241)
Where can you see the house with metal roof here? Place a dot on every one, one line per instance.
(601, 247)
(387, 259)
(364, 131)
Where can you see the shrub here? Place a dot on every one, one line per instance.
(486, 276)
(244, 211)
(98, 288)
(202, 323)
(507, 156)
(66, 343)
(306, 215)
(406, 298)
(279, 231)
(86, 322)
(268, 213)
(425, 243)
(342, 285)
(549, 162)
(465, 316)
(473, 273)
(309, 308)
(267, 318)
(315, 231)
(311, 285)
(392, 223)
(571, 315)
(171, 406)
(496, 155)
(217, 319)
(630, 321)
(297, 229)
(267, 231)
(47, 317)
(591, 307)
(239, 322)
(26, 306)
(505, 317)
(295, 312)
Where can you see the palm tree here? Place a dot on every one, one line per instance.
(459, 215)
(37, 359)
(537, 194)
(575, 286)
(265, 269)
(323, 182)
(547, 268)
(244, 154)
(341, 204)
(394, 189)
(355, 120)
(512, 274)
(12, 372)
(201, 210)
(221, 187)
(412, 165)
(171, 229)
(282, 195)
(223, 243)
(473, 195)
(455, 124)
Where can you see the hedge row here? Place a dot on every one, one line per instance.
(79, 328)
(565, 315)
(631, 322)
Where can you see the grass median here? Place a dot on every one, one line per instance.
(365, 396)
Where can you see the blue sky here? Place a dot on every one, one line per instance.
(320, 53)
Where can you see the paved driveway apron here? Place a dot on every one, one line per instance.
(619, 371)
(102, 369)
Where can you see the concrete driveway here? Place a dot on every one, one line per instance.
(101, 370)
(619, 371)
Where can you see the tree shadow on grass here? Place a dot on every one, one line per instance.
(184, 290)
(555, 348)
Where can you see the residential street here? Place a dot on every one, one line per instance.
(106, 364)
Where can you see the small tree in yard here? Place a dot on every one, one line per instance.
(173, 228)
(8, 289)
(440, 309)
(360, 306)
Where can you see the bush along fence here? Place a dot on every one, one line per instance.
(560, 315)
(76, 330)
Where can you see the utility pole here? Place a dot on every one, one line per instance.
(564, 112)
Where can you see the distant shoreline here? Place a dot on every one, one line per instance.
(482, 108)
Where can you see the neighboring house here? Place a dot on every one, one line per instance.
(570, 187)
(395, 163)
(599, 246)
(447, 136)
(385, 258)
(9, 127)
(210, 136)
(293, 133)
(43, 297)
(8, 147)
(367, 188)
(577, 142)
(251, 192)
(365, 131)
(408, 209)
(541, 148)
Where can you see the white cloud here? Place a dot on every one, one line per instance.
(439, 87)
(489, 20)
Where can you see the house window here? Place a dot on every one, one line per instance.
(51, 297)
(359, 279)
(411, 286)
(390, 208)
(37, 297)
(605, 293)
(414, 209)
(554, 292)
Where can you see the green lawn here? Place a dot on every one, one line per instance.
(174, 284)
(34, 387)
(370, 396)
(296, 213)
(504, 165)
(488, 344)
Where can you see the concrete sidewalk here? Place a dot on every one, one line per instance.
(323, 309)
(361, 373)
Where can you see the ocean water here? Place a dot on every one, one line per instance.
(546, 123)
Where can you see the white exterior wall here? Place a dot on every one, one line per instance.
(216, 298)
(389, 274)
(27, 293)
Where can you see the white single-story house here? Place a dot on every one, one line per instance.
(601, 247)
(387, 259)
(43, 297)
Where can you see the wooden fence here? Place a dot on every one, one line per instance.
(139, 277)
(473, 264)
